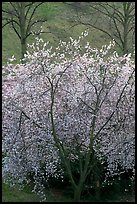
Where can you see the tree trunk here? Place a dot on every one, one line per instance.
(77, 194)
(125, 31)
(97, 190)
(125, 43)
(23, 48)
(23, 30)
(78, 189)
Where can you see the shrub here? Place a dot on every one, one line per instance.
(64, 105)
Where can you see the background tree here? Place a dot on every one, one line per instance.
(115, 19)
(22, 18)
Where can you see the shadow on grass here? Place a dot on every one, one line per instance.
(58, 195)
(15, 195)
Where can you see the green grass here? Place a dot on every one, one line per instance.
(58, 195)
(15, 195)
(57, 27)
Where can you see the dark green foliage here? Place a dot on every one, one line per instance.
(112, 189)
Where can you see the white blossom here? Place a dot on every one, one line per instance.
(94, 85)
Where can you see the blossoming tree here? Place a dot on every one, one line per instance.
(68, 104)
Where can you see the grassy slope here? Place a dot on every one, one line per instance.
(15, 195)
(25, 195)
(57, 28)
(55, 195)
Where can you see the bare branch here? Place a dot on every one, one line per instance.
(28, 9)
(12, 23)
(118, 101)
(31, 16)
(15, 9)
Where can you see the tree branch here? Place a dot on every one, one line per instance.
(12, 23)
(31, 16)
(119, 99)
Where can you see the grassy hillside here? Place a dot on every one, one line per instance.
(57, 195)
(57, 27)
(14, 195)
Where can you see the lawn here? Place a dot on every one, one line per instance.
(56, 195)
(57, 27)
(15, 195)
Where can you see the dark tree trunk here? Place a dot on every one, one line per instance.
(23, 48)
